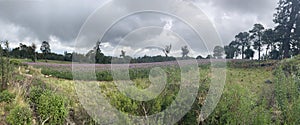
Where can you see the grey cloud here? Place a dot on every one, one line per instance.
(148, 21)
(244, 6)
(233, 16)
(63, 19)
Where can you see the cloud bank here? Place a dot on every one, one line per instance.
(60, 21)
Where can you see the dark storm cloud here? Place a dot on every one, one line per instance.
(61, 20)
(148, 20)
(245, 6)
(130, 23)
(233, 16)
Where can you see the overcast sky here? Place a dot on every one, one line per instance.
(60, 21)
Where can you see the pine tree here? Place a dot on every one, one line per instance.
(287, 19)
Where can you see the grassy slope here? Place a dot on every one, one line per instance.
(252, 80)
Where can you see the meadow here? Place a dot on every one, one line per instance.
(255, 93)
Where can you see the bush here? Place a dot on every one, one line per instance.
(20, 116)
(287, 92)
(58, 74)
(104, 76)
(52, 107)
(35, 94)
(6, 96)
(15, 62)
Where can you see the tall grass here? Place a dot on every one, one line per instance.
(287, 88)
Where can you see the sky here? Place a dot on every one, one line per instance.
(67, 25)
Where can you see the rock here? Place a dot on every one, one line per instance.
(268, 82)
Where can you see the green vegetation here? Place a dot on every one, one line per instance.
(6, 96)
(42, 61)
(287, 91)
(20, 116)
(247, 97)
(256, 92)
(52, 108)
(241, 92)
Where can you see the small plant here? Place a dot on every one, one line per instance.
(35, 94)
(5, 67)
(51, 108)
(15, 62)
(20, 116)
(6, 96)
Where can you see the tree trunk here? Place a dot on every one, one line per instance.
(2, 67)
(259, 53)
(243, 48)
(286, 48)
(291, 22)
(267, 52)
(166, 54)
(259, 47)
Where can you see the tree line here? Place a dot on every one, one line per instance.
(279, 42)
(93, 56)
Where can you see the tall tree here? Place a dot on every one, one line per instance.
(24, 50)
(99, 56)
(236, 46)
(269, 39)
(185, 51)
(287, 19)
(32, 50)
(249, 53)
(243, 39)
(256, 37)
(45, 48)
(123, 54)
(68, 56)
(167, 49)
(274, 54)
(229, 51)
(218, 52)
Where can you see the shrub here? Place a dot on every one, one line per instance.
(52, 107)
(15, 62)
(34, 71)
(104, 76)
(287, 84)
(58, 74)
(20, 116)
(35, 94)
(6, 96)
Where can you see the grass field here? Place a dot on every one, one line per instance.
(253, 93)
(44, 61)
(246, 83)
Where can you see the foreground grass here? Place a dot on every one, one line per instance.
(245, 83)
(252, 95)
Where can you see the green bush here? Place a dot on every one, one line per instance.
(58, 74)
(52, 107)
(287, 92)
(20, 116)
(15, 62)
(6, 96)
(35, 94)
(104, 76)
